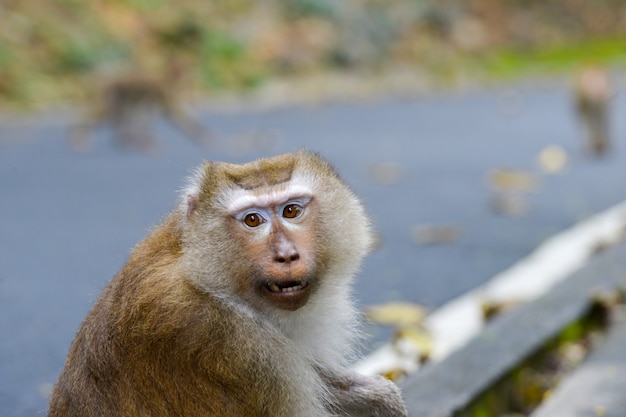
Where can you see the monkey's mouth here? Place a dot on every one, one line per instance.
(287, 295)
(286, 287)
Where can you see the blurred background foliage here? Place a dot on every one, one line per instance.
(56, 51)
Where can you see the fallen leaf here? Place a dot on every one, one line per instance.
(426, 234)
(414, 339)
(504, 179)
(386, 173)
(509, 205)
(397, 313)
(552, 159)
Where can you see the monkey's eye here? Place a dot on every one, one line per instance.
(292, 211)
(253, 220)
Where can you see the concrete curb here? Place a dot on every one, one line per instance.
(455, 323)
(444, 388)
(598, 386)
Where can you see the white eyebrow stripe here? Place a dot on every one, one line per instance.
(268, 199)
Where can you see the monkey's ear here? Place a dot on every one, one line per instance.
(191, 193)
(192, 204)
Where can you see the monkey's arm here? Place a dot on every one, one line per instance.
(189, 127)
(357, 395)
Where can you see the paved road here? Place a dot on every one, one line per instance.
(69, 219)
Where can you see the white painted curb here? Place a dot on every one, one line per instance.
(455, 323)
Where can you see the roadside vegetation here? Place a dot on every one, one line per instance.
(53, 52)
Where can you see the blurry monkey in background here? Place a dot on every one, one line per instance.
(592, 98)
(238, 304)
(131, 105)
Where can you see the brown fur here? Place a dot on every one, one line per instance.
(153, 344)
(266, 172)
(173, 335)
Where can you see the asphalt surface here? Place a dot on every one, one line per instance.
(69, 219)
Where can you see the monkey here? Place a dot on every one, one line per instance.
(238, 304)
(592, 95)
(131, 104)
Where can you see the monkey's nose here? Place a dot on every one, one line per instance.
(287, 258)
(285, 252)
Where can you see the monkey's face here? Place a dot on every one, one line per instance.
(276, 231)
(273, 231)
